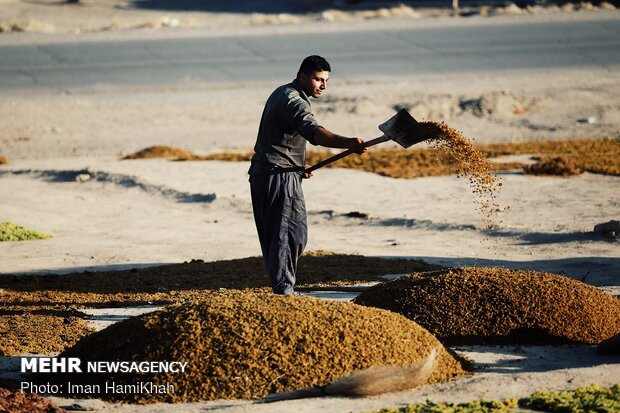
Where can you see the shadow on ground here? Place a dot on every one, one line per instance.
(315, 269)
(539, 238)
(597, 271)
(84, 176)
(537, 359)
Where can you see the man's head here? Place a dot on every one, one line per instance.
(313, 75)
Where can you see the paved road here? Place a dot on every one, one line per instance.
(355, 54)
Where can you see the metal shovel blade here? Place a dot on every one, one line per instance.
(403, 129)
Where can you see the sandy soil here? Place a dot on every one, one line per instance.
(64, 177)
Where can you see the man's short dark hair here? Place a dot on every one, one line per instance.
(314, 63)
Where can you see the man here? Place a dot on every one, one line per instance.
(278, 165)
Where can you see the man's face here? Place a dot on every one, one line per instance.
(315, 83)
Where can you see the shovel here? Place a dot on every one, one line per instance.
(401, 128)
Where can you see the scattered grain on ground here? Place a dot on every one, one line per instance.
(558, 166)
(165, 152)
(590, 399)
(39, 329)
(36, 307)
(18, 402)
(600, 156)
(478, 406)
(587, 399)
(401, 163)
(472, 305)
(247, 344)
(13, 232)
(596, 156)
(319, 267)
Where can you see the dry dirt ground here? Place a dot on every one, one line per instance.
(65, 177)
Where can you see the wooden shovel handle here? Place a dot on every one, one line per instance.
(345, 153)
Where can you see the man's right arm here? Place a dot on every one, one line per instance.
(324, 137)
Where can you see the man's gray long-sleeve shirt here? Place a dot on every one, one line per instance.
(287, 123)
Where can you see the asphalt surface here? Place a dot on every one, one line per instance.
(355, 54)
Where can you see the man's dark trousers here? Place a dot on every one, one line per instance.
(280, 215)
